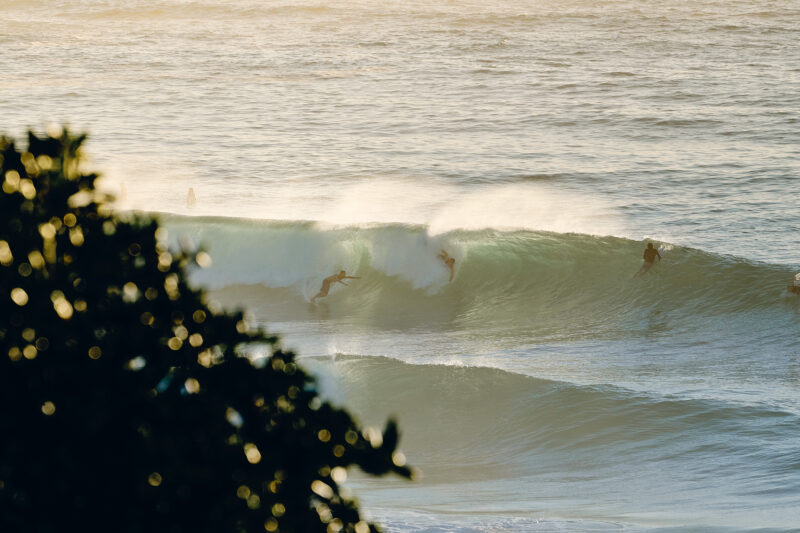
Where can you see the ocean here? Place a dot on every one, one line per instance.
(542, 144)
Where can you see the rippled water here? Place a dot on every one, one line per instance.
(682, 116)
(541, 142)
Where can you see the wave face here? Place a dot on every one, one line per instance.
(547, 284)
(585, 450)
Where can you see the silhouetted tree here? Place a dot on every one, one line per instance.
(125, 402)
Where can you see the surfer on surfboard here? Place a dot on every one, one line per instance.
(449, 262)
(794, 288)
(326, 283)
(649, 256)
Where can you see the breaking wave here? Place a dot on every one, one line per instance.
(511, 279)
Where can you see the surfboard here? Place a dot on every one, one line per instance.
(642, 271)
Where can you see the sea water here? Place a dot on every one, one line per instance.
(542, 144)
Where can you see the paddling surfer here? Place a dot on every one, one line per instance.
(449, 262)
(649, 257)
(326, 283)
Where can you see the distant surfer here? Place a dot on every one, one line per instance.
(794, 288)
(326, 283)
(449, 262)
(650, 255)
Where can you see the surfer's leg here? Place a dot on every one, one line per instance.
(321, 294)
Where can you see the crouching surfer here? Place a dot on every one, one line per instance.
(326, 283)
(794, 287)
(449, 263)
(650, 255)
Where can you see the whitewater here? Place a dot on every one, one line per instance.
(542, 145)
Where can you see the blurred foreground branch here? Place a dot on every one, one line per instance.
(124, 402)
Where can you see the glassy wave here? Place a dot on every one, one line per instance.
(604, 445)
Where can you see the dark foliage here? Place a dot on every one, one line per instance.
(125, 404)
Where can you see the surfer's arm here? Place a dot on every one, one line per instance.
(343, 283)
(352, 277)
